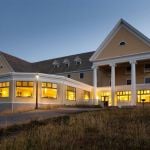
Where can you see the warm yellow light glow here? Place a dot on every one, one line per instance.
(71, 93)
(144, 94)
(4, 92)
(124, 96)
(49, 93)
(49, 90)
(86, 95)
(4, 89)
(24, 91)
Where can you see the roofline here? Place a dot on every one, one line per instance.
(63, 57)
(113, 31)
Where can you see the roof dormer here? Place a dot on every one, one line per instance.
(66, 62)
(56, 64)
(78, 60)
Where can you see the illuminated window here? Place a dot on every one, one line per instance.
(4, 89)
(124, 96)
(71, 93)
(49, 90)
(24, 88)
(86, 95)
(143, 95)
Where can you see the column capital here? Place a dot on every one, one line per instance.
(133, 61)
(112, 65)
(94, 67)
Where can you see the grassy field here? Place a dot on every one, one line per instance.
(104, 129)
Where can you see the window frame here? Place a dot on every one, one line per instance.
(21, 86)
(5, 86)
(49, 87)
(70, 91)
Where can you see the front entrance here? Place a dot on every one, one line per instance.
(105, 99)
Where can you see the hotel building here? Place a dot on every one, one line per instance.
(117, 73)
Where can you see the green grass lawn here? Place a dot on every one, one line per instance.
(104, 129)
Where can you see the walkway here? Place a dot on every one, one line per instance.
(25, 117)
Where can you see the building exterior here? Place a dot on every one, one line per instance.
(118, 73)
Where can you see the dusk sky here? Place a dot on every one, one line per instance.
(42, 29)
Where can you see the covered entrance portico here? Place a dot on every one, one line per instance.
(129, 91)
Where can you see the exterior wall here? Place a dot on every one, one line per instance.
(4, 66)
(88, 76)
(133, 45)
(14, 103)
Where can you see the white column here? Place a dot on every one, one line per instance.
(133, 83)
(95, 84)
(113, 83)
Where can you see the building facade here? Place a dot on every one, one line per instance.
(117, 73)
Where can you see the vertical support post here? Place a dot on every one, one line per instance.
(133, 83)
(13, 93)
(36, 105)
(95, 84)
(113, 83)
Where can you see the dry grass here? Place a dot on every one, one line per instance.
(105, 129)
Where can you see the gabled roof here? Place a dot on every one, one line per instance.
(47, 66)
(120, 23)
(17, 64)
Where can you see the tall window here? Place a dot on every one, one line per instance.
(86, 95)
(124, 96)
(24, 88)
(49, 90)
(81, 75)
(4, 89)
(71, 93)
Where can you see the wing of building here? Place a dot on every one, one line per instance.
(116, 74)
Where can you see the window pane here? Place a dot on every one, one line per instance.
(71, 93)
(49, 93)
(43, 84)
(30, 83)
(147, 80)
(54, 86)
(24, 83)
(18, 83)
(86, 95)
(24, 91)
(49, 84)
(4, 92)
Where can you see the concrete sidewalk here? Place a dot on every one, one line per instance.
(25, 117)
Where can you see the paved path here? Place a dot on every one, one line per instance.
(25, 117)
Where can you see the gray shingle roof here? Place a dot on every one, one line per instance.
(46, 66)
(18, 65)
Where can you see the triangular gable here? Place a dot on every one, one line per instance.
(135, 43)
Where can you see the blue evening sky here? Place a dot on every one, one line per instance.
(42, 29)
